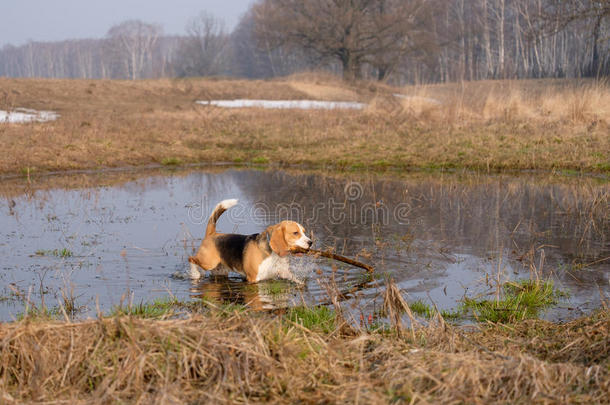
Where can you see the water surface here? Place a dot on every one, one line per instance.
(108, 239)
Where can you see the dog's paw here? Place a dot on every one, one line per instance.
(194, 272)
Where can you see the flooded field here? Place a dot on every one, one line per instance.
(102, 240)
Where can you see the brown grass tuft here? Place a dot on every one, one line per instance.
(244, 357)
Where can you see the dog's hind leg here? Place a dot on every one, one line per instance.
(206, 264)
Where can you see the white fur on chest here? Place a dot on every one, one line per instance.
(272, 267)
(275, 266)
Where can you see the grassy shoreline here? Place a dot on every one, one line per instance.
(540, 125)
(230, 355)
(168, 351)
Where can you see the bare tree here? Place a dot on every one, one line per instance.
(256, 57)
(351, 31)
(133, 42)
(398, 28)
(559, 14)
(403, 41)
(203, 51)
(567, 11)
(247, 59)
(331, 29)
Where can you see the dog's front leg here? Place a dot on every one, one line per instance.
(194, 272)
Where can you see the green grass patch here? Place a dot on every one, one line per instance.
(381, 164)
(35, 313)
(452, 315)
(358, 166)
(602, 167)
(26, 171)
(342, 163)
(260, 160)
(55, 252)
(171, 161)
(420, 308)
(366, 278)
(521, 300)
(570, 172)
(232, 307)
(224, 308)
(274, 287)
(318, 318)
(158, 308)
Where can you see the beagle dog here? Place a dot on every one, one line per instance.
(260, 256)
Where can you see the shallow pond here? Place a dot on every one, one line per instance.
(107, 239)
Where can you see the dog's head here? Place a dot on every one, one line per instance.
(286, 236)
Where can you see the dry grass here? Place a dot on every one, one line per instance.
(548, 125)
(323, 87)
(233, 357)
(539, 101)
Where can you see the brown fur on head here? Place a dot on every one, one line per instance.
(287, 235)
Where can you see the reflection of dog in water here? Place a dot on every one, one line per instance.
(259, 297)
(260, 256)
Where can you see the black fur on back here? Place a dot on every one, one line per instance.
(231, 248)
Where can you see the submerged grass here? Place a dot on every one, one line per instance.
(522, 300)
(419, 307)
(274, 288)
(65, 252)
(161, 307)
(40, 314)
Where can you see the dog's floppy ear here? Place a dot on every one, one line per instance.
(277, 241)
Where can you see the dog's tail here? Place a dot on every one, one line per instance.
(218, 210)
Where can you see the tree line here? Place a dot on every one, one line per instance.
(401, 41)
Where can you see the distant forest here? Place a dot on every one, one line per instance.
(399, 41)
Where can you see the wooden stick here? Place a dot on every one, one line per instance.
(330, 255)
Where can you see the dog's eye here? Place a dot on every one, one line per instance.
(295, 233)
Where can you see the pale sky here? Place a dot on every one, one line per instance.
(53, 20)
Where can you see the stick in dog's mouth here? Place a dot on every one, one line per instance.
(330, 255)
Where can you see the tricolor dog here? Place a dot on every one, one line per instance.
(260, 256)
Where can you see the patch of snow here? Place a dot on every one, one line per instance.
(21, 115)
(297, 104)
(417, 98)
